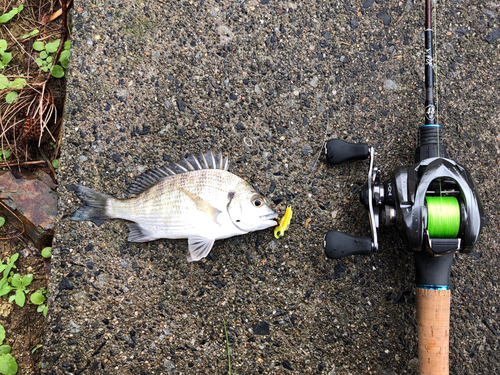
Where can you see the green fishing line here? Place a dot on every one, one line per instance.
(443, 217)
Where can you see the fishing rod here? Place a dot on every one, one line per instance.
(433, 204)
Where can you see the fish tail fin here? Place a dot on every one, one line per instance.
(94, 204)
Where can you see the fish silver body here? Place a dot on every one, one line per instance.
(197, 199)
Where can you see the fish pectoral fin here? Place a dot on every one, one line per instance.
(203, 205)
(139, 234)
(199, 247)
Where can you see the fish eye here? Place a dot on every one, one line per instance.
(257, 201)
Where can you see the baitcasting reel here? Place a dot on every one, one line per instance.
(433, 203)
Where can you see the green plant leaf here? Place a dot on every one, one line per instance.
(12, 298)
(19, 83)
(20, 298)
(15, 280)
(27, 279)
(64, 64)
(4, 82)
(38, 346)
(8, 16)
(55, 163)
(49, 59)
(67, 44)
(33, 33)
(2, 222)
(11, 97)
(40, 62)
(13, 258)
(38, 46)
(2, 334)
(5, 154)
(37, 298)
(64, 55)
(6, 57)
(44, 68)
(43, 55)
(47, 252)
(5, 349)
(5, 290)
(3, 45)
(57, 71)
(8, 365)
(52, 47)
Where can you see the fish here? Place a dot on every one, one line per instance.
(196, 198)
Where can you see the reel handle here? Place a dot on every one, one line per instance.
(338, 245)
(338, 151)
(433, 320)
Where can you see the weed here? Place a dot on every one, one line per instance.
(4, 154)
(4, 18)
(18, 284)
(2, 221)
(47, 252)
(46, 58)
(55, 164)
(14, 282)
(8, 364)
(33, 33)
(38, 298)
(5, 57)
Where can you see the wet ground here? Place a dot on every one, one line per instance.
(267, 82)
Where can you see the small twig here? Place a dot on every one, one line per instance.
(52, 170)
(59, 137)
(8, 165)
(58, 13)
(20, 46)
(64, 34)
(24, 229)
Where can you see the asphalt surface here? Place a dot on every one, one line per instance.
(267, 82)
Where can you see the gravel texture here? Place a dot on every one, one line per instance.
(268, 81)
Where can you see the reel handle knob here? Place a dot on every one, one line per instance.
(338, 151)
(338, 245)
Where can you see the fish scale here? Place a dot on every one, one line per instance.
(165, 206)
(197, 199)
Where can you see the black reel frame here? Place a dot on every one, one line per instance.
(400, 202)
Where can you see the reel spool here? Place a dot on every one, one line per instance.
(443, 217)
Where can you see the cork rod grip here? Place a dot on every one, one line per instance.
(433, 319)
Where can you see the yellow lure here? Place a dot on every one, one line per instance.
(279, 231)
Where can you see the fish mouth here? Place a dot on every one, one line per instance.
(269, 217)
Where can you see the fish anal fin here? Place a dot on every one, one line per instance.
(202, 205)
(139, 234)
(199, 247)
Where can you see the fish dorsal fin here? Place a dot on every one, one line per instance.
(186, 164)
